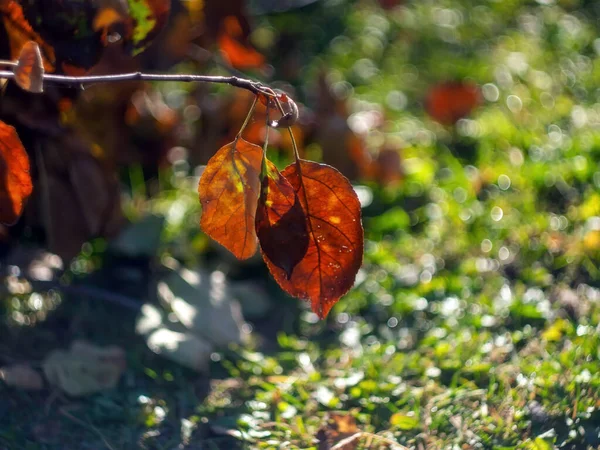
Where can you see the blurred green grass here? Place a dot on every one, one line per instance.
(475, 320)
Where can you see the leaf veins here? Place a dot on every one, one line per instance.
(335, 236)
(229, 190)
(15, 180)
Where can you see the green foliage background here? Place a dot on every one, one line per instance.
(475, 320)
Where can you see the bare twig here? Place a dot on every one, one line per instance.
(256, 87)
(361, 434)
(88, 291)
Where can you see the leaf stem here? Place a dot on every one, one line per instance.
(248, 116)
(263, 165)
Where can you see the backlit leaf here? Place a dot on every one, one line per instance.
(335, 236)
(238, 53)
(29, 71)
(19, 32)
(280, 222)
(148, 19)
(15, 187)
(229, 190)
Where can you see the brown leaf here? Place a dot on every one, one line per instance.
(85, 368)
(280, 222)
(228, 191)
(333, 220)
(29, 71)
(15, 179)
(338, 426)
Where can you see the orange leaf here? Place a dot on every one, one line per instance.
(237, 53)
(280, 222)
(16, 184)
(448, 102)
(335, 236)
(19, 31)
(228, 190)
(29, 71)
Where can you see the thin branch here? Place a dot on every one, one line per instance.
(87, 426)
(88, 291)
(255, 87)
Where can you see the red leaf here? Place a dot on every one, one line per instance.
(229, 190)
(448, 102)
(280, 222)
(29, 71)
(238, 53)
(16, 184)
(335, 234)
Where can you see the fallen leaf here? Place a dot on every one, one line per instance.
(29, 71)
(85, 368)
(337, 428)
(333, 221)
(280, 221)
(149, 319)
(15, 179)
(228, 191)
(186, 349)
(21, 376)
(201, 301)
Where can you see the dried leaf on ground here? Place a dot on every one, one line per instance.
(21, 376)
(85, 368)
(186, 349)
(15, 179)
(202, 303)
(335, 249)
(228, 191)
(338, 426)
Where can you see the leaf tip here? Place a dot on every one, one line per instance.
(322, 307)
